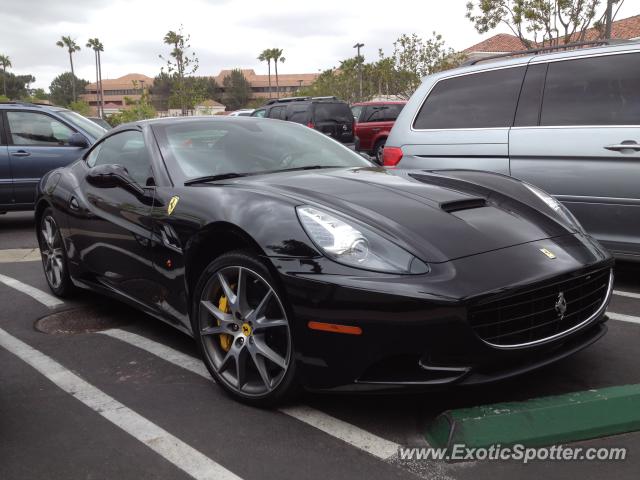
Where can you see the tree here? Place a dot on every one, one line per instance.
(265, 56)
(17, 86)
(81, 107)
(62, 88)
(138, 109)
(96, 45)
(72, 47)
(276, 56)
(542, 22)
(397, 75)
(5, 62)
(237, 90)
(415, 58)
(181, 64)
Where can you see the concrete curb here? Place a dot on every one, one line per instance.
(541, 421)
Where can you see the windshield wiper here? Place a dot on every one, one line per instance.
(213, 178)
(225, 176)
(309, 167)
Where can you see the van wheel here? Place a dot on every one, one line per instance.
(377, 150)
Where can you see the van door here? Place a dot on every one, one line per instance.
(583, 143)
(6, 180)
(464, 122)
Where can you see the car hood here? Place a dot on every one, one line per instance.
(438, 216)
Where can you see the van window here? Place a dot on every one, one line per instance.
(336, 112)
(480, 100)
(531, 96)
(298, 114)
(278, 113)
(593, 91)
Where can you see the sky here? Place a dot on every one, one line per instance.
(224, 33)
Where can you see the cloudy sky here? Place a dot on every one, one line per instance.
(224, 33)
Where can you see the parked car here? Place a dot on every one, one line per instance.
(101, 121)
(33, 140)
(568, 122)
(244, 112)
(374, 121)
(328, 115)
(291, 260)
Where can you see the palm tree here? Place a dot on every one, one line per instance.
(266, 56)
(6, 63)
(96, 45)
(276, 56)
(72, 47)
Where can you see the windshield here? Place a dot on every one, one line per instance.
(336, 112)
(201, 148)
(93, 129)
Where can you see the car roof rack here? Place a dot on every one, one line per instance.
(536, 51)
(287, 99)
(331, 97)
(19, 102)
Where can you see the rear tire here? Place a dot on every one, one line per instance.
(54, 256)
(242, 326)
(377, 150)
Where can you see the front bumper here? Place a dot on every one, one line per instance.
(415, 329)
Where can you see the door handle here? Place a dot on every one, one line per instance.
(21, 153)
(375, 129)
(626, 145)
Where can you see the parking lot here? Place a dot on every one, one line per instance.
(145, 406)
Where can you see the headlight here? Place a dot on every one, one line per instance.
(556, 206)
(356, 246)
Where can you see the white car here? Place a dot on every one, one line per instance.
(243, 112)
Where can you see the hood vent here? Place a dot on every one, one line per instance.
(466, 204)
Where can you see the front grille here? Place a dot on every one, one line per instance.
(532, 315)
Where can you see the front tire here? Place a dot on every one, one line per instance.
(54, 256)
(242, 327)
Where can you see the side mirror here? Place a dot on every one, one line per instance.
(111, 176)
(78, 140)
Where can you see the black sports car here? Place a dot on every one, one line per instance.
(294, 261)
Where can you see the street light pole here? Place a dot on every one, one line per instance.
(359, 46)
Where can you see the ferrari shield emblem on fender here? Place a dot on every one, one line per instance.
(172, 204)
(548, 253)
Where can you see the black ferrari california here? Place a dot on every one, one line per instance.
(294, 261)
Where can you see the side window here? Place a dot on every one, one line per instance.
(298, 114)
(127, 149)
(92, 156)
(383, 113)
(593, 91)
(277, 112)
(480, 100)
(37, 129)
(531, 96)
(259, 113)
(357, 111)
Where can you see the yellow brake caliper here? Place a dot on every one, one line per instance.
(224, 338)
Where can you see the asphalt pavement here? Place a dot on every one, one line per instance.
(135, 402)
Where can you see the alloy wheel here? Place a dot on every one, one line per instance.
(52, 253)
(244, 331)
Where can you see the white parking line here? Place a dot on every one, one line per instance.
(626, 294)
(42, 297)
(623, 318)
(157, 439)
(355, 436)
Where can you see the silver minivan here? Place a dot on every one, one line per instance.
(568, 122)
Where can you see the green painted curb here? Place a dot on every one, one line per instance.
(540, 421)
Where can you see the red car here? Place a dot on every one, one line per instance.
(373, 124)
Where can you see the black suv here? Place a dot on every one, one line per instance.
(328, 115)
